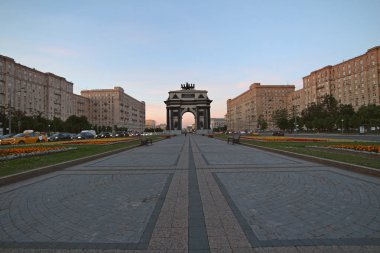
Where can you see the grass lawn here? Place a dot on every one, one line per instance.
(29, 163)
(372, 161)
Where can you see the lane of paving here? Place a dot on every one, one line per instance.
(279, 202)
(110, 203)
(193, 194)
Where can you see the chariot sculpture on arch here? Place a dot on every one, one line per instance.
(188, 99)
(188, 86)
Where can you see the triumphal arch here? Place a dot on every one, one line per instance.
(188, 99)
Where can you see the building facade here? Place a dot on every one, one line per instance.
(218, 122)
(112, 107)
(259, 102)
(34, 92)
(150, 123)
(355, 81)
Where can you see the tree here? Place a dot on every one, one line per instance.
(346, 113)
(280, 118)
(75, 124)
(321, 115)
(57, 125)
(309, 115)
(262, 124)
(369, 115)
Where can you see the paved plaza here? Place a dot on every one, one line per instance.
(193, 194)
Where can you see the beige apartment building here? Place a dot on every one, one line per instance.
(260, 101)
(217, 122)
(112, 107)
(150, 123)
(355, 81)
(35, 92)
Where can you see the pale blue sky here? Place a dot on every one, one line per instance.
(151, 47)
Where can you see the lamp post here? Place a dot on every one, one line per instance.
(342, 125)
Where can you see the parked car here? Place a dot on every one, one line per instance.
(5, 136)
(60, 137)
(278, 133)
(89, 131)
(84, 135)
(104, 135)
(24, 138)
(120, 134)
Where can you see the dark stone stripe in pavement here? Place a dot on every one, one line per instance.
(256, 242)
(198, 240)
(147, 234)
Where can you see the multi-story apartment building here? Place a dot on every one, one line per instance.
(355, 81)
(150, 123)
(34, 92)
(295, 102)
(112, 107)
(217, 122)
(260, 101)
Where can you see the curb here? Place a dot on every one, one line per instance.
(325, 161)
(59, 166)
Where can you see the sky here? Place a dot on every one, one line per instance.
(150, 47)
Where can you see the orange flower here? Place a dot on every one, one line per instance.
(369, 148)
(26, 150)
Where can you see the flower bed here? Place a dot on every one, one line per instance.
(362, 148)
(284, 139)
(13, 153)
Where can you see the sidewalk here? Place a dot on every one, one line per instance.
(193, 194)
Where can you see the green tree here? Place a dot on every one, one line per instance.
(321, 115)
(280, 118)
(346, 113)
(310, 113)
(262, 124)
(75, 124)
(57, 125)
(369, 115)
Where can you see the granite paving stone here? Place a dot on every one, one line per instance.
(192, 194)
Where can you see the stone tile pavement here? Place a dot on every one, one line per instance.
(192, 194)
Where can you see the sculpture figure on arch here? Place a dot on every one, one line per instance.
(188, 86)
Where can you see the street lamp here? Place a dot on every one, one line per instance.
(342, 125)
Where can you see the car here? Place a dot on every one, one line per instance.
(89, 131)
(60, 137)
(104, 135)
(278, 133)
(119, 134)
(5, 136)
(24, 138)
(83, 136)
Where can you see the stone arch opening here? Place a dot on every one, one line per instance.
(188, 121)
